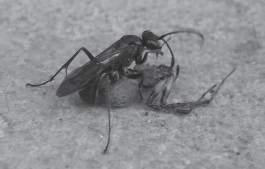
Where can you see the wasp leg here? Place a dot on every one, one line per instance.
(109, 131)
(139, 60)
(131, 73)
(140, 86)
(187, 107)
(114, 76)
(65, 66)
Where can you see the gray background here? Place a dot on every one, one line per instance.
(40, 130)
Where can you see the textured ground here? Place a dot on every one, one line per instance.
(40, 130)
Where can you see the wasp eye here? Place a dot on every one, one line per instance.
(150, 40)
(151, 44)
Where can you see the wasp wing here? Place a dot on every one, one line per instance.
(79, 78)
(88, 94)
(118, 47)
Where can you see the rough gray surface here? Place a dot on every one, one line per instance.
(40, 130)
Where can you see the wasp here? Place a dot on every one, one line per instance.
(116, 58)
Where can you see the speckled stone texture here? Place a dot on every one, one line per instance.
(40, 130)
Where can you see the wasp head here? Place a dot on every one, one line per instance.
(150, 40)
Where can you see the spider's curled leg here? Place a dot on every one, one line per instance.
(187, 107)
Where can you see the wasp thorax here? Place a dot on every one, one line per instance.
(150, 40)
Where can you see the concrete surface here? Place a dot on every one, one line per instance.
(40, 130)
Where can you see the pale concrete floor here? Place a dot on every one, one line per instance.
(40, 130)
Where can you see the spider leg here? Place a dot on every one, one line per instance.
(165, 86)
(156, 90)
(187, 107)
(166, 90)
(216, 91)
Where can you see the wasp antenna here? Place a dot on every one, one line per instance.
(173, 58)
(184, 30)
(167, 41)
(108, 102)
